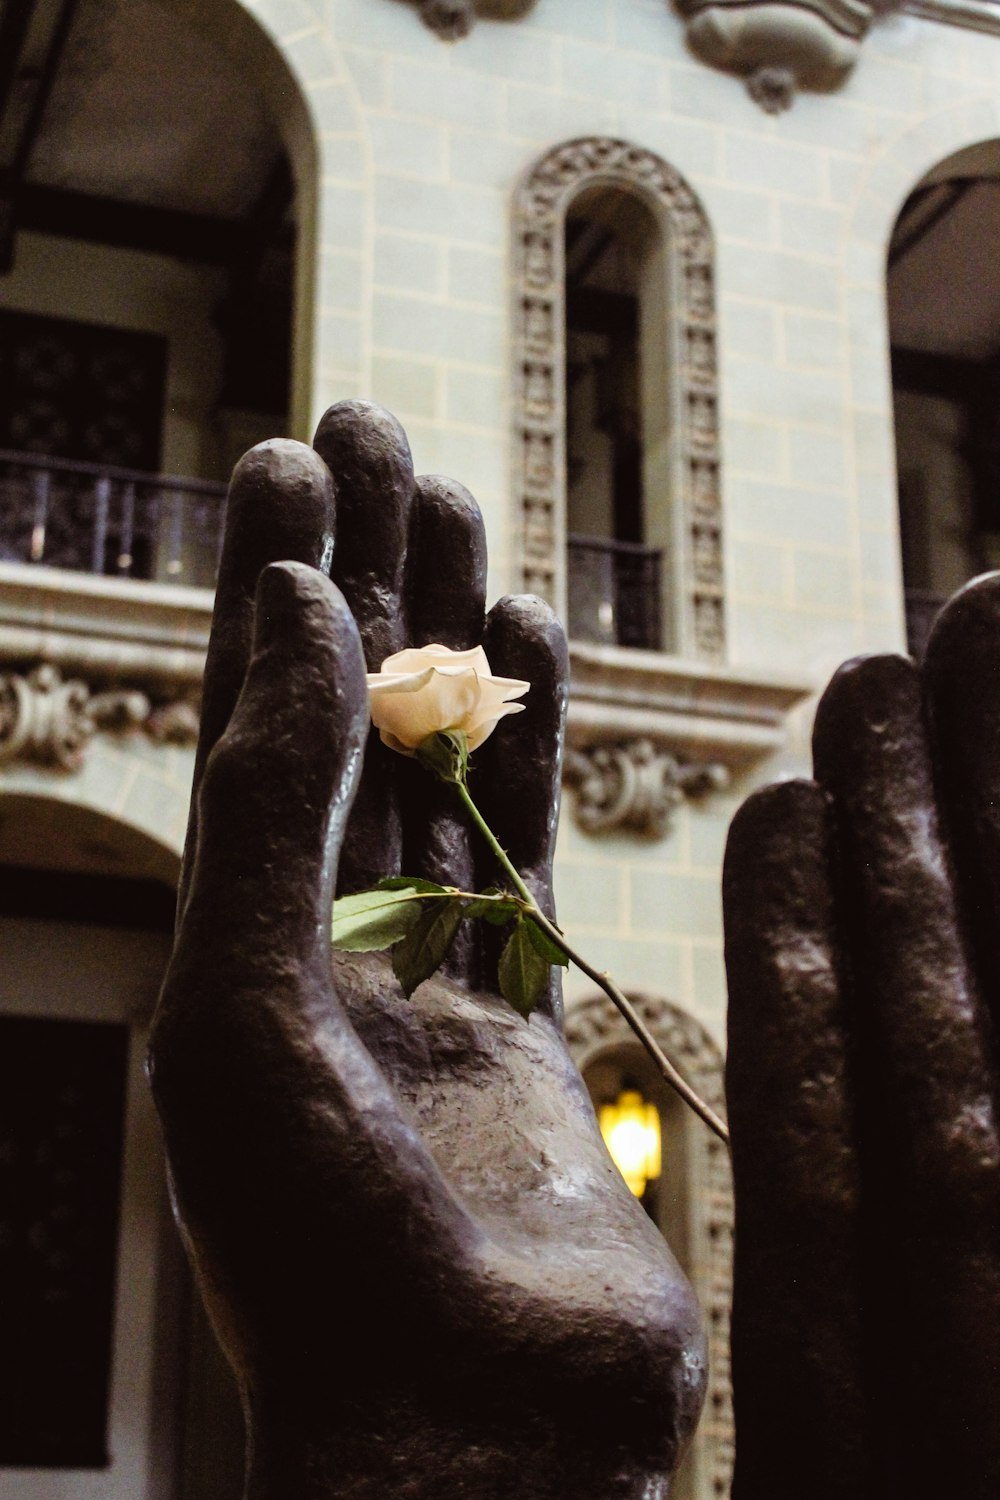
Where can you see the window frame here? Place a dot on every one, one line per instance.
(694, 581)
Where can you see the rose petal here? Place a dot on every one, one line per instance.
(409, 709)
(476, 734)
(425, 689)
(418, 658)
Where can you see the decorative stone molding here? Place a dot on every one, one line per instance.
(977, 15)
(779, 46)
(51, 722)
(699, 712)
(108, 629)
(454, 19)
(539, 216)
(635, 786)
(593, 1026)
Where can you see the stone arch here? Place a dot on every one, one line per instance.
(81, 984)
(73, 824)
(295, 60)
(593, 1027)
(871, 218)
(907, 159)
(539, 386)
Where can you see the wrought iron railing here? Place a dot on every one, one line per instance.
(922, 609)
(615, 592)
(93, 518)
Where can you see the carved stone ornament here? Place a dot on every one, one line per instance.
(454, 19)
(51, 722)
(635, 786)
(539, 384)
(779, 46)
(593, 1025)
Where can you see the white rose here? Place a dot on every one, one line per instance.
(427, 689)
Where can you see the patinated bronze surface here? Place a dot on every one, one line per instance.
(426, 1273)
(863, 951)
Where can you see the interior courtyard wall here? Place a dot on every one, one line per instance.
(421, 157)
(409, 152)
(419, 146)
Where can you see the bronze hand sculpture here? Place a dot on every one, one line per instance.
(864, 972)
(426, 1273)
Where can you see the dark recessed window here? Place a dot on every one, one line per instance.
(62, 1100)
(616, 411)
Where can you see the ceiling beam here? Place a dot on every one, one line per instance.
(924, 209)
(14, 25)
(947, 375)
(129, 226)
(33, 36)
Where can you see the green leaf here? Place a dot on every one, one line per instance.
(544, 946)
(375, 919)
(498, 912)
(413, 883)
(523, 972)
(422, 951)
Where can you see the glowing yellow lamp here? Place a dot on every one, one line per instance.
(631, 1131)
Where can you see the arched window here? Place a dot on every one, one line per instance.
(691, 1201)
(617, 400)
(944, 321)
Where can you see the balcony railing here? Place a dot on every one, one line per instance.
(615, 592)
(92, 518)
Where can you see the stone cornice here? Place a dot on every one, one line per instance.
(699, 711)
(978, 15)
(153, 637)
(110, 629)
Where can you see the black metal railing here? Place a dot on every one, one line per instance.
(92, 518)
(615, 592)
(922, 609)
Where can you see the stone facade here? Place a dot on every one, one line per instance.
(413, 133)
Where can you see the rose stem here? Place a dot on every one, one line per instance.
(666, 1068)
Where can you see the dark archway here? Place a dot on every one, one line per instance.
(156, 167)
(944, 320)
(112, 1380)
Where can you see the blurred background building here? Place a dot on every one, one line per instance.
(703, 304)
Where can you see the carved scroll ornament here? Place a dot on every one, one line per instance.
(454, 19)
(51, 722)
(635, 786)
(779, 46)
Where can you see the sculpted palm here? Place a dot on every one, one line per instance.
(428, 1276)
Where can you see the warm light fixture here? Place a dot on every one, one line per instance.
(631, 1131)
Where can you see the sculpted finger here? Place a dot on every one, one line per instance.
(516, 774)
(267, 1095)
(279, 783)
(366, 450)
(280, 505)
(445, 566)
(797, 1342)
(930, 1117)
(445, 604)
(962, 674)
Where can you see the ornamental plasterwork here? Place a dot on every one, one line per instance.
(51, 722)
(593, 1026)
(635, 786)
(539, 218)
(779, 46)
(453, 19)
